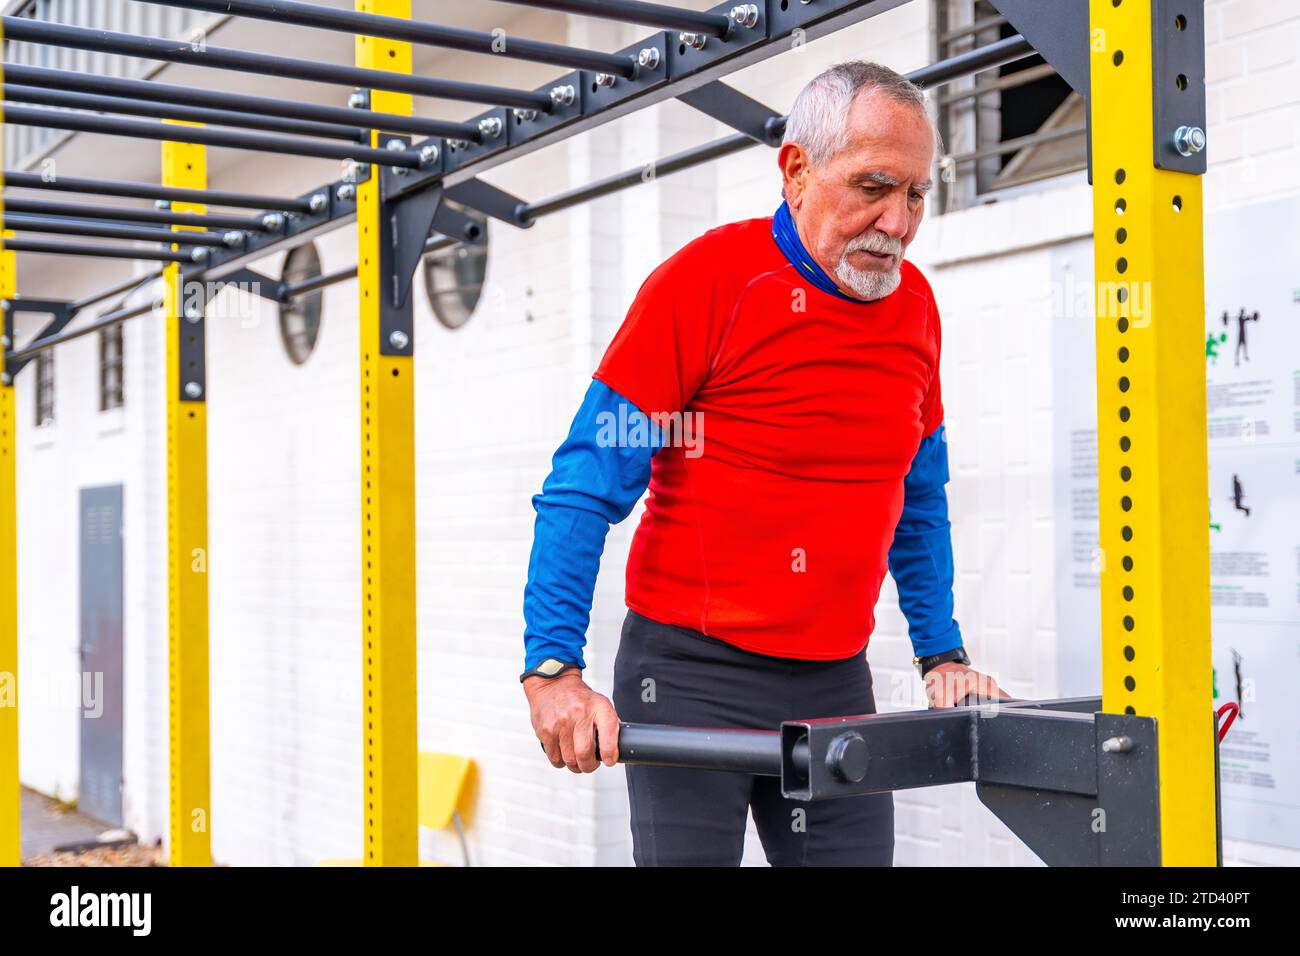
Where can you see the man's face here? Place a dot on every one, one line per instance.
(857, 212)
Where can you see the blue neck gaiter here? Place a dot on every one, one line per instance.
(787, 238)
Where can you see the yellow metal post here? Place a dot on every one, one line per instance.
(9, 787)
(1151, 416)
(390, 757)
(185, 165)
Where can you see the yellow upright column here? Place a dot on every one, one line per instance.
(185, 165)
(1151, 430)
(10, 852)
(387, 517)
(9, 791)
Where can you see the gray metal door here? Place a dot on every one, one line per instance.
(101, 653)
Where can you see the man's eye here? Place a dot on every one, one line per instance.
(918, 196)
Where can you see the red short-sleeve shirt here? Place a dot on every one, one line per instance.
(792, 418)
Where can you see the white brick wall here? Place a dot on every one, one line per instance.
(493, 400)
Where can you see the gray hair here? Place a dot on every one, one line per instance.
(817, 118)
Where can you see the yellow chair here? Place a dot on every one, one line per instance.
(444, 793)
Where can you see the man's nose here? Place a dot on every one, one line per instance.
(894, 219)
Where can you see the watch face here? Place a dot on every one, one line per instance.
(550, 667)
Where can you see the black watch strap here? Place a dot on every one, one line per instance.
(926, 664)
(551, 667)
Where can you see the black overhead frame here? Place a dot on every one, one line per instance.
(684, 61)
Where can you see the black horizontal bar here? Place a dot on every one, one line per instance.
(650, 14)
(16, 360)
(412, 31)
(1006, 50)
(687, 158)
(165, 217)
(59, 226)
(130, 190)
(710, 748)
(318, 282)
(183, 51)
(236, 102)
(48, 247)
(207, 136)
(191, 114)
(126, 285)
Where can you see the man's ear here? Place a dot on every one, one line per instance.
(793, 163)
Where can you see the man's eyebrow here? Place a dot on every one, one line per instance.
(885, 179)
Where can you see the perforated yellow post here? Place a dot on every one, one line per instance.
(185, 165)
(388, 656)
(9, 787)
(1152, 456)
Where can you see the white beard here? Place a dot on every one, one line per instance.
(867, 284)
(870, 284)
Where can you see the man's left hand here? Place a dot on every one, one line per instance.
(949, 684)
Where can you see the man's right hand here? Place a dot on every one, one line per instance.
(566, 715)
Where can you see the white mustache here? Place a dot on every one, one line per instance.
(877, 242)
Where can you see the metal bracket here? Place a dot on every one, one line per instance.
(1178, 85)
(1079, 786)
(454, 224)
(60, 311)
(728, 105)
(491, 201)
(191, 351)
(405, 222)
(252, 282)
(1059, 31)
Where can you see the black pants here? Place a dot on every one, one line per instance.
(681, 817)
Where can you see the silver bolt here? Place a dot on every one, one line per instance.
(273, 221)
(161, 204)
(233, 238)
(399, 339)
(648, 57)
(695, 41)
(317, 202)
(1117, 745)
(5, 378)
(745, 14)
(525, 116)
(357, 100)
(345, 191)
(193, 313)
(490, 127)
(563, 95)
(429, 154)
(4, 341)
(605, 79)
(1189, 140)
(394, 144)
(4, 304)
(193, 389)
(198, 254)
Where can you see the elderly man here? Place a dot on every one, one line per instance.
(776, 386)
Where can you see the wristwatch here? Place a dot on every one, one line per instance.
(926, 664)
(551, 667)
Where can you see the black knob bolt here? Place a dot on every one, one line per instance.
(846, 757)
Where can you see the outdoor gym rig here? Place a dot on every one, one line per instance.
(1043, 767)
